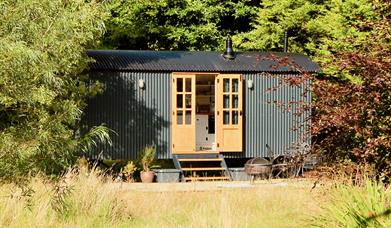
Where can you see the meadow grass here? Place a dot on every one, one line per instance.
(92, 201)
(264, 206)
(75, 201)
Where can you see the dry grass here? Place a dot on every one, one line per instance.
(265, 206)
(90, 201)
(76, 201)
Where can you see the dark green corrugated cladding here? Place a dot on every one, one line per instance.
(142, 117)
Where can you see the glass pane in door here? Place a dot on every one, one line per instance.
(188, 100)
(179, 85)
(188, 84)
(179, 118)
(226, 117)
(235, 101)
(226, 101)
(235, 85)
(179, 101)
(226, 85)
(235, 117)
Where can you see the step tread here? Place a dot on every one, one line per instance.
(199, 159)
(200, 152)
(203, 168)
(205, 178)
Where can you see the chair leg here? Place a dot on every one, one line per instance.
(252, 179)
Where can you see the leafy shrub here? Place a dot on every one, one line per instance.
(43, 86)
(129, 170)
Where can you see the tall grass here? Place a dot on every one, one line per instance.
(75, 201)
(92, 201)
(357, 206)
(263, 206)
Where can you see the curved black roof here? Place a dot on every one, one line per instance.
(199, 61)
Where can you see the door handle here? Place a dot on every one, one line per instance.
(240, 112)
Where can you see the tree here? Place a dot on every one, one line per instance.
(353, 120)
(177, 24)
(350, 39)
(316, 28)
(42, 87)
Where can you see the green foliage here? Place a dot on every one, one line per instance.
(147, 156)
(353, 120)
(42, 90)
(177, 24)
(357, 206)
(97, 134)
(129, 170)
(317, 28)
(351, 41)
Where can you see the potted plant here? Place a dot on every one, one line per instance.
(147, 157)
(129, 170)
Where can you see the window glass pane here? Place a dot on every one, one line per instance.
(235, 85)
(188, 118)
(179, 117)
(188, 84)
(179, 101)
(235, 101)
(226, 84)
(226, 101)
(188, 100)
(226, 117)
(179, 84)
(234, 117)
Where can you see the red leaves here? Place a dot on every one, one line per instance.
(355, 118)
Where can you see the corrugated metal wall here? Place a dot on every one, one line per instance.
(142, 117)
(266, 122)
(139, 116)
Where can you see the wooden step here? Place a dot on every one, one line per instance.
(199, 159)
(197, 152)
(203, 169)
(207, 152)
(205, 178)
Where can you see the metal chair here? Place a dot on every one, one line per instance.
(279, 163)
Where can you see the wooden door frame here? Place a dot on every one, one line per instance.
(232, 131)
(173, 109)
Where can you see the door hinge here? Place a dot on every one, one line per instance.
(218, 144)
(173, 113)
(217, 80)
(217, 112)
(173, 145)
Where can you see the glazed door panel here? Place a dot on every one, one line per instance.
(229, 112)
(183, 113)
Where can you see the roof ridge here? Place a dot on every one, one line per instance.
(201, 61)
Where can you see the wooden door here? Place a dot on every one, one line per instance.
(183, 113)
(229, 113)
